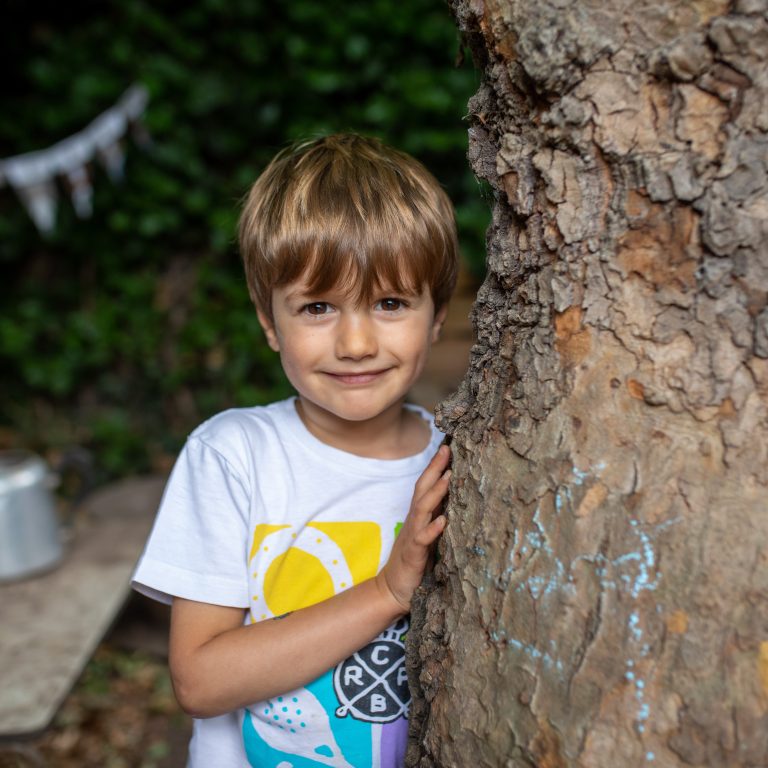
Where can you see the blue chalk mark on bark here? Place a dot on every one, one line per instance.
(579, 476)
(558, 501)
(534, 653)
(633, 573)
(645, 580)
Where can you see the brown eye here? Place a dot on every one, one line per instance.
(317, 308)
(391, 305)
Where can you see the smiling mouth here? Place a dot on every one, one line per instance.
(363, 377)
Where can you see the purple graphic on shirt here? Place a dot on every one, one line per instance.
(394, 737)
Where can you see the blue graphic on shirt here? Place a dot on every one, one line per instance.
(259, 753)
(282, 732)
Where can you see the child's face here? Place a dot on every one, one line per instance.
(351, 363)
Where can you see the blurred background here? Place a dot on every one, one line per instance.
(121, 331)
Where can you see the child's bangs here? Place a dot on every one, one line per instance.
(361, 261)
(346, 212)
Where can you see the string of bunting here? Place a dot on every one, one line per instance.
(33, 175)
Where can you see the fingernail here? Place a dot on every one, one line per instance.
(447, 474)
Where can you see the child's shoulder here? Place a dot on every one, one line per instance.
(243, 428)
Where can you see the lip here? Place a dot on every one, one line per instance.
(358, 377)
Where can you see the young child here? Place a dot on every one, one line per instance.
(291, 537)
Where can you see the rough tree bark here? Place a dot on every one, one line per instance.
(602, 597)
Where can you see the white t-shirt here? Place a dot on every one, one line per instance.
(259, 514)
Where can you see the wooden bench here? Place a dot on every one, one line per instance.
(50, 625)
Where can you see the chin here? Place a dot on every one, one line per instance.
(363, 410)
(358, 414)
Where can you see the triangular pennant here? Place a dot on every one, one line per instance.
(32, 175)
(40, 202)
(81, 191)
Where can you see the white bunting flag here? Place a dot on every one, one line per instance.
(33, 175)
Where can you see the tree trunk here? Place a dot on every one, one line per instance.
(602, 594)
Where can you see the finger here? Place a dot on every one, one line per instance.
(427, 501)
(439, 481)
(434, 469)
(432, 497)
(429, 534)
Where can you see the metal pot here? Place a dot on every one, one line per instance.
(30, 539)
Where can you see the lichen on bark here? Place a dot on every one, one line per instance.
(602, 593)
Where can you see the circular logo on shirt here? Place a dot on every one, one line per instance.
(372, 685)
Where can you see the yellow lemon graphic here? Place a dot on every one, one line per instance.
(294, 568)
(296, 580)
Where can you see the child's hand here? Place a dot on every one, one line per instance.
(404, 569)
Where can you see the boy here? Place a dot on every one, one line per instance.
(291, 537)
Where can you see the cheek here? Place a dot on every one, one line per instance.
(295, 355)
(294, 370)
(416, 341)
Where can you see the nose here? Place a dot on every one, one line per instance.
(356, 336)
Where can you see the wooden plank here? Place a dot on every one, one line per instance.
(50, 625)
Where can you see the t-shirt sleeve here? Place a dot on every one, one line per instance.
(198, 546)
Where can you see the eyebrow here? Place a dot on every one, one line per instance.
(302, 294)
(296, 295)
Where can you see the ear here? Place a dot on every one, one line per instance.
(268, 326)
(437, 323)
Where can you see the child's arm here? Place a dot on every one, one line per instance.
(219, 665)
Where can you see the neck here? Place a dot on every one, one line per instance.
(395, 433)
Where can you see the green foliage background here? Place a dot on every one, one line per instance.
(122, 332)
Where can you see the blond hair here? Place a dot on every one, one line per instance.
(348, 211)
